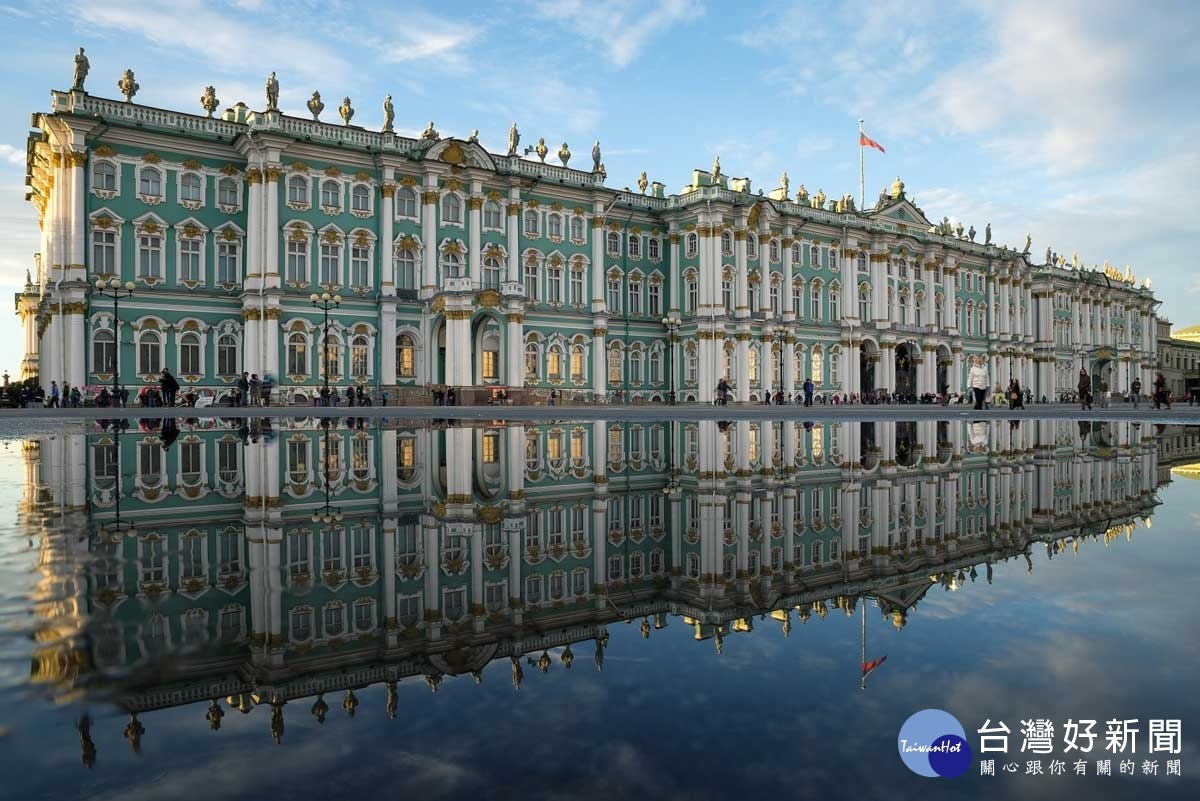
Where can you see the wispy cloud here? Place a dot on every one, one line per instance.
(12, 155)
(620, 28)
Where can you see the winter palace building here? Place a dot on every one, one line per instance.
(475, 269)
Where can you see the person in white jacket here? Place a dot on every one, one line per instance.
(977, 381)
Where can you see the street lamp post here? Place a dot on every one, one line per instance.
(113, 288)
(672, 325)
(326, 303)
(850, 378)
(781, 333)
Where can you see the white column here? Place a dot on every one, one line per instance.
(741, 285)
(78, 217)
(513, 211)
(76, 355)
(474, 223)
(742, 365)
(515, 358)
(271, 234)
(785, 293)
(599, 362)
(387, 261)
(676, 297)
(930, 310)
(429, 199)
(386, 345)
(598, 296)
(789, 370)
(255, 230)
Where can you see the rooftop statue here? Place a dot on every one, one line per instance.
(596, 157)
(541, 149)
(897, 190)
(209, 101)
(1049, 256)
(81, 71)
(514, 139)
(346, 111)
(971, 233)
(430, 133)
(716, 170)
(474, 137)
(128, 86)
(1028, 243)
(958, 230)
(272, 93)
(801, 195)
(389, 114)
(315, 106)
(643, 182)
(987, 234)
(819, 199)
(783, 183)
(564, 154)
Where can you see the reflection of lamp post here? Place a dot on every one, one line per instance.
(672, 325)
(326, 303)
(117, 525)
(115, 290)
(327, 513)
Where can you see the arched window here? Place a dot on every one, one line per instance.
(903, 308)
(451, 209)
(104, 176)
(612, 242)
(773, 250)
(358, 357)
(727, 293)
(796, 254)
(493, 215)
(862, 261)
(577, 363)
(636, 364)
(727, 243)
(691, 365)
(406, 202)
(406, 356)
(406, 269)
(360, 198)
(815, 306)
(297, 354)
(817, 368)
(554, 362)
(752, 247)
(577, 229)
(693, 244)
(104, 352)
(554, 225)
(654, 248)
(774, 297)
(531, 283)
(814, 257)
(149, 353)
(864, 303)
(298, 190)
(331, 357)
(752, 365)
(656, 366)
(492, 271)
(227, 192)
(150, 182)
(189, 188)
(835, 310)
(451, 265)
(227, 355)
(189, 354)
(331, 194)
(531, 223)
(532, 366)
(833, 258)
(635, 246)
(692, 296)
(331, 263)
(616, 364)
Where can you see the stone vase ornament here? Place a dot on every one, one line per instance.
(209, 101)
(346, 111)
(128, 86)
(315, 106)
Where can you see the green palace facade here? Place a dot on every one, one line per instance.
(462, 267)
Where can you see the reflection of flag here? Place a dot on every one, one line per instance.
(866, 141)
(867, 667)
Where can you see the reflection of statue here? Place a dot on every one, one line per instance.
(346, 111)
(987, 234)
(783, 183)
(315, 106)
(716, 170)
(430, 133)
(514, 139)
(272, 93)
(81, 71)
(643, 182)
(208, 100)
(389, 114)
(128, 85)
(802, 195)
(541, 149)
(971, 233)
(596, 157)
(564, 154)
(474, 137)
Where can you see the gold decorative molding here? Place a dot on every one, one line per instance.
(474, 203)
(254, 176)
(105, 150)
(251, 314)
(273, 174)
(458, 314)
(429, 197)
(333, 172)
(514, 317)
(152, 158)
(388, 190)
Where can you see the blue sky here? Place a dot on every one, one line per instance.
(1074, 121)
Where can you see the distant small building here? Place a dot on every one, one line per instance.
(1179, 358)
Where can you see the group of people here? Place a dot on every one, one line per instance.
(354, 396)
(252, 391)
(65, 397)
(1086, 396)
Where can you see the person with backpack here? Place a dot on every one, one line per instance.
(1160, 392)
(54, 394)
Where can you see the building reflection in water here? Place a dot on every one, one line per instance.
(286, 561)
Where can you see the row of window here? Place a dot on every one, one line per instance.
(191, 264)
(151, 186)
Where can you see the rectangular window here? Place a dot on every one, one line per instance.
(230, 553)
(635, 298)
(150, 463)
(192, 558)
(331, 549)
(189, 260)
(297, 261)
(104, 252)
(228, 461)
(531, 283)
(331, 260)
(577, 287)
(614, 295)
(554, 286)
(362, 547)
(149, 256)
(359, 267)
(191, 468)
(228, 264)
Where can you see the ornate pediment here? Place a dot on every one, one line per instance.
(903, 212)
(458, 153)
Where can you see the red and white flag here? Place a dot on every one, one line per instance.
(868, 667)
(866, 141)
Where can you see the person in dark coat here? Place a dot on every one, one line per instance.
(169, 387)
(243, 385)
(1085, 389)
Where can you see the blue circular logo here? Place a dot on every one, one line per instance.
(933, 743)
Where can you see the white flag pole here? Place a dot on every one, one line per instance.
(862, 170)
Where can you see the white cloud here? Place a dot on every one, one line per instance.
(620, 28)
(12, 155)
